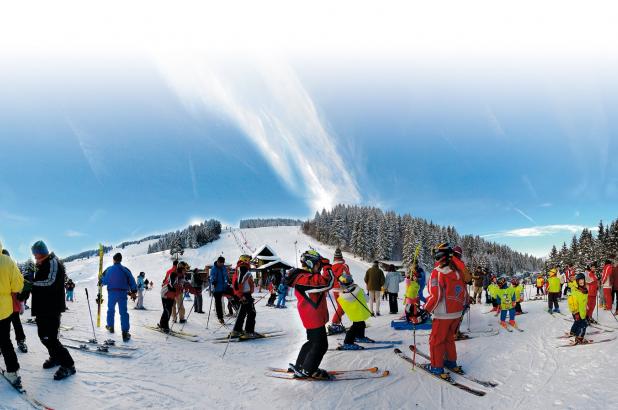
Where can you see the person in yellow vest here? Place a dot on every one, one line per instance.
(412, 301)
(492, 290)
(553, 292)
(539, 285)
(11, 282)
(519, 295)
(578, 302)
(505, 296)
(353, 302)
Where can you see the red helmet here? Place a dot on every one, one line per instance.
(458, 251)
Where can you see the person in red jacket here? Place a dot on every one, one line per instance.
(446, 301)
(339, 268)
(569, 275)
(593, 287)
(311, 286)
(606, 283)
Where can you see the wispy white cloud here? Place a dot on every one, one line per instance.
(494, 123)
(546, 205)
(522, 213)
(529, 185)
(74, 234)
(534, 231)
(193, 178)
(11, 217)
(271, 106)
(90, 149)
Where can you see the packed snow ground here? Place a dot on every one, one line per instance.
(173, 373)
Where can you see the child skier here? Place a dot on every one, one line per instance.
(505, 296)
(593, 288)
(578, 303)
(339, 268)
(519, 295)
(413, 311)
(492, 289)
(242, 283)
(282, 292)
(311, 284)
(539, 285)
(553, 292)
(352, 301)
(447, 297)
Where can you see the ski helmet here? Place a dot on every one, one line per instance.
(346, 279)
(579, 277)
(458, 251)
(502, 281)
(310, 258)
(441, 251)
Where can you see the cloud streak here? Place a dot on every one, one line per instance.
(522, 213)
(74, 234)
(536, 231)
(273, 109)
(87, 144)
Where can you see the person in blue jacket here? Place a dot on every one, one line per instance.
(219, 282)
(282, 292)
(140, 291)
(420, 274)
(120, 283)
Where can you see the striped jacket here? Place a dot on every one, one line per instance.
(48, 287)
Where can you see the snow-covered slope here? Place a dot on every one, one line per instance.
(173, 373)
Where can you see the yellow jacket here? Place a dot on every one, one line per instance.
(578, 302)
(554, 284)
(11, 281)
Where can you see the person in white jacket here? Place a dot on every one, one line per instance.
(391, 285)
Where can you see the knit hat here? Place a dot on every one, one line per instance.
(338, 254)
(39, 248)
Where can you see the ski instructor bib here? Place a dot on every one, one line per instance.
(354, 305)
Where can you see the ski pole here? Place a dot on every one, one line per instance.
(209, 309)
(91, 321)
(186, 319)
(414, 352)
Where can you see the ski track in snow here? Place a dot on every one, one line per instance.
(174, 373)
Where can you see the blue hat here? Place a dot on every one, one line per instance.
(39, 248)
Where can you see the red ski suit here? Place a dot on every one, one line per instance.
(593, 289)
(311, 292)
(447, 297)
(339, 268)
(606, 283)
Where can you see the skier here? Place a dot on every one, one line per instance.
(243, 286)
(391, 283)
(170, 288)
(374, 279)
(446, 301)
(578, 302)
(539, 285)
(11, 283)
(606, 282)
(478, 277)
(120, 284)
(70, 288)
(506, 299)
(196, 284)
(413, 311)
(311, 284)
(282, 292)
(457, 261)
(339, 268)
(48, 303)
(519, 295)
(486, 283)
(219, 281)
(18, 310)
(140, 291)
(553, 292)
(178, 309)
(592, 281)
(352, 300)
(569, 277)
(492, 290)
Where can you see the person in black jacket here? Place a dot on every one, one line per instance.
(48, 303)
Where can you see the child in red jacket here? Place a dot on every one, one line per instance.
(311, 286)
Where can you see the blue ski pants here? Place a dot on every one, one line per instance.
(117, 297)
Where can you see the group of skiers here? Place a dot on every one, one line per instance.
(47, 288)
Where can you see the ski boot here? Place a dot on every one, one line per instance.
(14, 378)
(551, 312)
(335, 329)
(64, 372)
(251, 335)
(222, 321)
(452, 366)
(579, 340)
(513, 324)
(21, 345)
(592, 321)
(556, 310)
(350, 346)
(50, 363)
(163, 329)
(503, 324)
(182, 321)
(321, 374)
(109, 329)
(439, 372)
(234, 334)
(461, 336)
(364, 339)
(126, 336)
(299, 372)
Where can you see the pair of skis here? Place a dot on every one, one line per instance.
(98, 349)
(375, 345)
(178, 334)
(335, 375)
(32, 322)
(450, 380)
(265, 335)
(109, 343)
(33, 401)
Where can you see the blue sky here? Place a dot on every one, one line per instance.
(108, 145)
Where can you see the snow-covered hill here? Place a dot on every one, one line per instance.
(173, 373)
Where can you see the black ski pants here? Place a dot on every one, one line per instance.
(168, 304)
(198, 301)
(247, 310)
(356, 330)
(552, 300)
(313, 351)
(218, 304)
(47, 328)
(20, 336)
(6, 347)
(392, 302)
